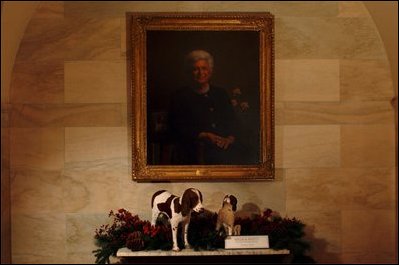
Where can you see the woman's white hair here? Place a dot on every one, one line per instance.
(196, 55)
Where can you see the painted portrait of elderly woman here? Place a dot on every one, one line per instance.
(203, 98)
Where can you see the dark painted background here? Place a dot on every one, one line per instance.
(236, 64)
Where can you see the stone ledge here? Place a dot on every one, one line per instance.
(125, 252)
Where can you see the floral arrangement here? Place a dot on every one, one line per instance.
(238, 101)
(128, 230)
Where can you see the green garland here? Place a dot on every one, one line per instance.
(127, 230)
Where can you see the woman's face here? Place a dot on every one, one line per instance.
(201, 72)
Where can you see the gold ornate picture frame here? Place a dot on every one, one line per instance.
(167, 50)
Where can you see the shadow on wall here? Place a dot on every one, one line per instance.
(319, 247)
(248, 210)
(319, 250)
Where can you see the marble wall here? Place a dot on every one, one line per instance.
(335, 144)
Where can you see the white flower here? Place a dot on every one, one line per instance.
(244, 105)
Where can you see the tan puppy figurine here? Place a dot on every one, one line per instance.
(226, 216)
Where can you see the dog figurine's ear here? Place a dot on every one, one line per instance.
(200, 196)
(186, 202)
(233, 202)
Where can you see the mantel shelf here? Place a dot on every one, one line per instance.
(125, 252)
(226, 256)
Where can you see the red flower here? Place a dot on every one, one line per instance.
(147, 229)
(155, 231)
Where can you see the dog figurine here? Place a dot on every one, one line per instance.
(226, 216)
(177, 209)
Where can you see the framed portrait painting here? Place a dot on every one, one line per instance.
(201, 96)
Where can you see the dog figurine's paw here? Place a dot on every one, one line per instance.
(176, 249)
(237, 230)
(188, 246)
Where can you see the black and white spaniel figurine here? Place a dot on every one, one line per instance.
(178, 209)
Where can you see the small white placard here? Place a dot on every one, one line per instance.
(237, 242)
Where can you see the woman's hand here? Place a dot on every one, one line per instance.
(219, 141)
